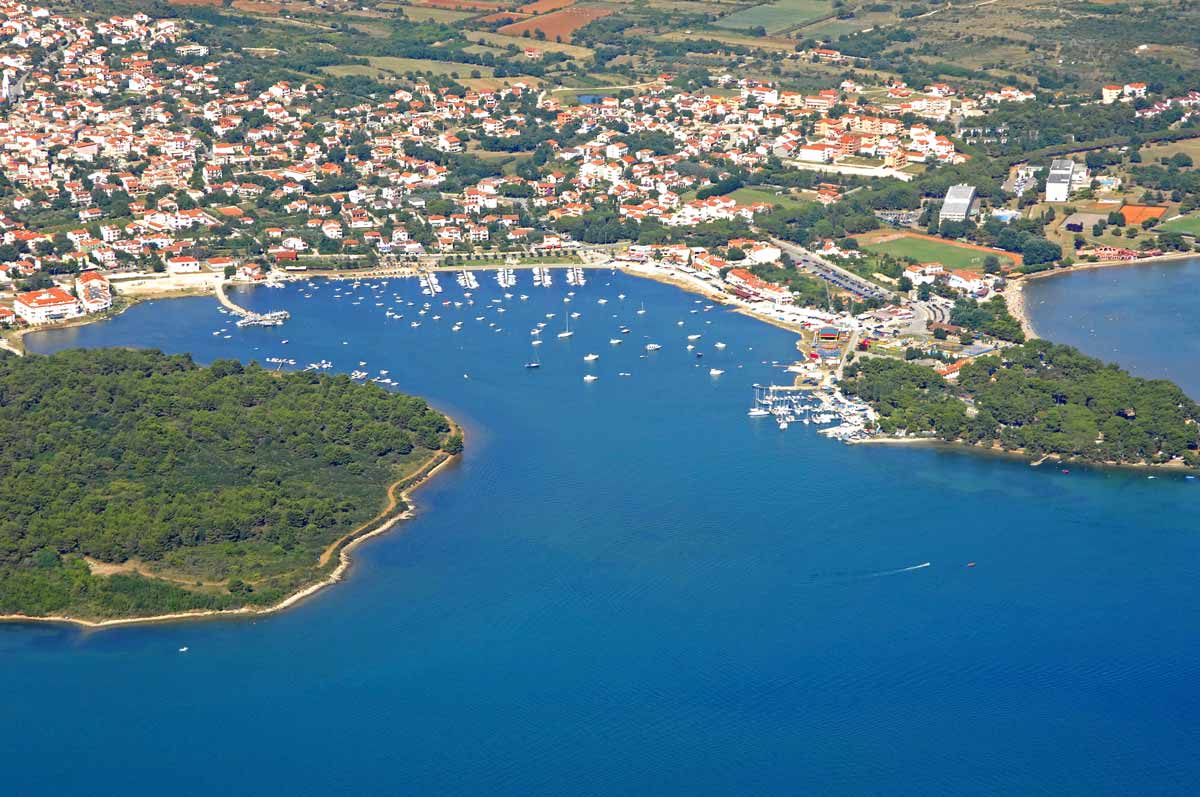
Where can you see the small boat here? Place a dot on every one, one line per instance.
(652, 347)
(614, 341)
(587, 358)
(533, 365)
(693, 337)
(590, 378)
(715, 372)
(970, 564)
(757, 412)
(183, 649)
(566, 333)
(718, 345)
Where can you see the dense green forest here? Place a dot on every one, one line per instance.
(1039, 397)
(225, 483)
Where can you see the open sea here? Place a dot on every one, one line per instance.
(630, 587)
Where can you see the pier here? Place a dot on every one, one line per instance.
(247, 317)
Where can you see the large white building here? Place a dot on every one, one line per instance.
(46, 306)
(958, 203)
(1058, 182)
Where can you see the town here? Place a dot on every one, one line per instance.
(140, 159)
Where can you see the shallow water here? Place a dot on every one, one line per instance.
(629, 587)
(1144, 317)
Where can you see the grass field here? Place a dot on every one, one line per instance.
(1188, 225)
(778, 16)
(386, 65)
(748, 196)
(923, 250)
(502, 41)
(779, 45)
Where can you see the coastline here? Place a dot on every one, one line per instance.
(1014, 292)
(1014, 298)
(378, 525)
(961, 446)
(1099, 264)
(399, 491)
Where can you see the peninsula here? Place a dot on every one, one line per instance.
(1040, 399)
(135, 484)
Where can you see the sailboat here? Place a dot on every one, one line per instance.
(535, 362)
(566, 333)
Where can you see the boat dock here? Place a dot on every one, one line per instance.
(247, 317)
(788, 404)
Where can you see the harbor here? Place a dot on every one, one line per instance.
(602, 518)
(790, 404)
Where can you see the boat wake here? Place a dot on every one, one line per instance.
(898, 571)
(849, 576)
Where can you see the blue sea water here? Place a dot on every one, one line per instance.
(629, 587)
(1143, 317)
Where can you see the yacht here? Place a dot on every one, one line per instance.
(652, 347)
(587, 358)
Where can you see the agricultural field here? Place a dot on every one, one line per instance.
(386, 65)
(464, 5)
(733, 39)
(779, 16)
(544, 6)
(950, 254)
(502, 41)
(559, 24)
(444, 15)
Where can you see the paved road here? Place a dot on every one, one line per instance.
(833, 274)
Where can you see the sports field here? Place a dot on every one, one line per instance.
(1188, 225)
(925, 250)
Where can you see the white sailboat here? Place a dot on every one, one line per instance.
(566, 333)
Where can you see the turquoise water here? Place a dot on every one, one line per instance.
(629, 587)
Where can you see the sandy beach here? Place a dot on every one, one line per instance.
(1014, 293)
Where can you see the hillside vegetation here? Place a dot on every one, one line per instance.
(192, 487)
